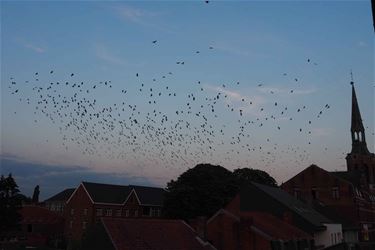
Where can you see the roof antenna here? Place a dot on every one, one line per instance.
(351, 76)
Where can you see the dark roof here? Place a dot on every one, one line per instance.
(334, 216)
(107, 193)
(147, 234)
(353, 177)
(62, 196)
(297, 206)
(274, 227)
(267, 223)
(150, 195)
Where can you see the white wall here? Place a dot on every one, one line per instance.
(331, 236)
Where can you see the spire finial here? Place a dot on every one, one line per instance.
(351, 77)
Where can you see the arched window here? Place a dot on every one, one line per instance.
(355, 136)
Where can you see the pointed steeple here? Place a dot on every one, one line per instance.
(357, 128)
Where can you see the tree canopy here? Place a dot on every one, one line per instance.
(255, 175)
(206, 188)
(9, 204)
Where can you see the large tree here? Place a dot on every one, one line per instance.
(9, 204)
(246, 175)
(204, 189)
(199, 192)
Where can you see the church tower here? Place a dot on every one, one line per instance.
(360, 159)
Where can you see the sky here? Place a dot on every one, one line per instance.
(131, 92)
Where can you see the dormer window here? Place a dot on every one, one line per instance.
(314, 193)
(335, 193)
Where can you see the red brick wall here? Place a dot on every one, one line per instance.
(227, 233)
(357, 209)
(79, 201)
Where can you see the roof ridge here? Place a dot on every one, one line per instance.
(87, 182)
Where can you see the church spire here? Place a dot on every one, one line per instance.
(357, 128)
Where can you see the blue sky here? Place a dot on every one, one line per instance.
(264, 46)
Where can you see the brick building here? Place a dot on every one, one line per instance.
(350, 193)
(57, 202)
(143, 234)
(92, 201)
(254, 231)
(41, 227)
(257, 199)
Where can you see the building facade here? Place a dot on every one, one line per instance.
(57, 202)
(92, 201)
(350, 193)
(258, 198)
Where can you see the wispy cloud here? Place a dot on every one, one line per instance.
(29, 45)
(142, 17)
(321, 132)
(103, 53)
(282, 91)
(35, 48)
(134, 15)
(362, 44)
(236, 98)
(232, 50)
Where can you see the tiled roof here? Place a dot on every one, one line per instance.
(149, 195)
(295, 205)
(274, 227)
(39, 215)
(62, 196)
(106, 193)
(152, 234)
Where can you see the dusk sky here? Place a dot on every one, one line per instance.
(135, 92)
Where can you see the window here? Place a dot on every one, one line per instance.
(71, 224)
(99, 212)
(339, 237)
(335, 193)
(108, 212)
(72, 211)
(335, 238)
(136, 213)
(147, 211)
(314, 193)
(297, 192)
(84, 225)
(127, 213)
(29, 228)
(85, 212)
(118, 212)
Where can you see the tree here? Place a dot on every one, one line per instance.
(204, 189)
(199, 191)
(36, 192)
(246, 175)
(9, 204)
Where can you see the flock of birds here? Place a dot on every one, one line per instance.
(205, 125)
